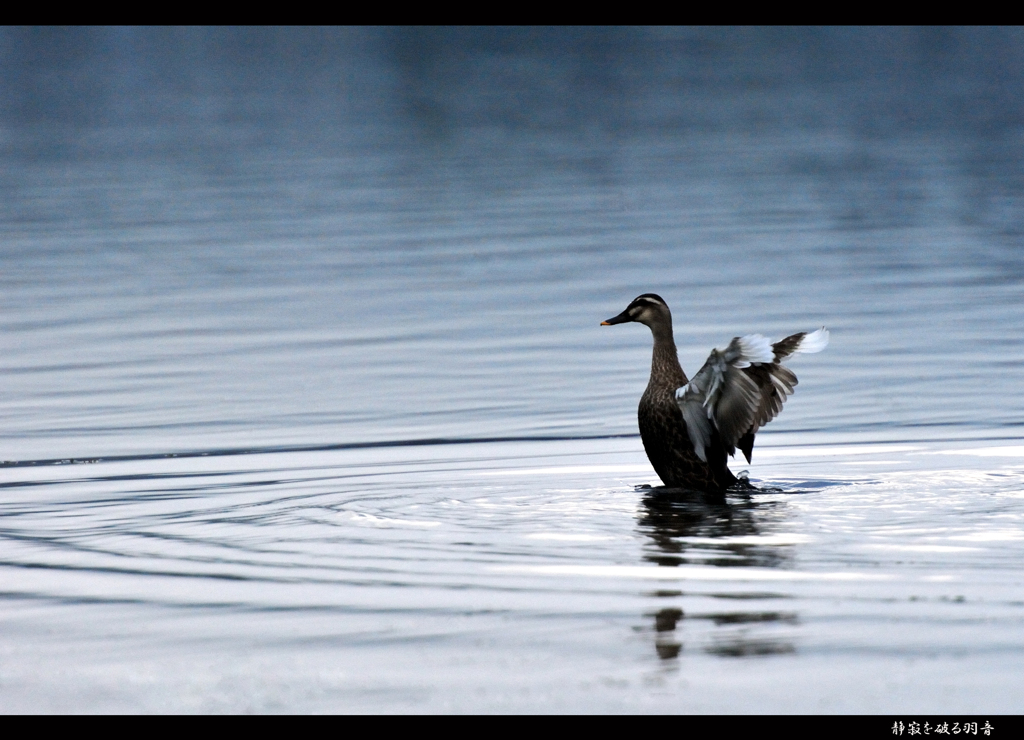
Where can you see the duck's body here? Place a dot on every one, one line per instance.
(690, 428)
(663, 429)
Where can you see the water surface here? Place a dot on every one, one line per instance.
(328, 423)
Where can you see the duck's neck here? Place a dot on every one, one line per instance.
(665, 368)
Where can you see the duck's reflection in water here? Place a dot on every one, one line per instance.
(691, 528)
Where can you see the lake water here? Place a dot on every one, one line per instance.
(333, 427)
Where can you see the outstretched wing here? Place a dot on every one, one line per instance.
(741, 388)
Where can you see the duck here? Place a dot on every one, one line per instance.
(690, 428)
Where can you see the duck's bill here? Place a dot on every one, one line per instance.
(622, 318)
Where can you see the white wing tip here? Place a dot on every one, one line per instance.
(756, 348)
(816, 341)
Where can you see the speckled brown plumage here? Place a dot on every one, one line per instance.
(663, 430)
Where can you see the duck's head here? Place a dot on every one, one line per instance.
(649, 309)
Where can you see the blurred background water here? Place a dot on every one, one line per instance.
(305, 405)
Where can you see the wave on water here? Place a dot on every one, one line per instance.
(274, 449)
